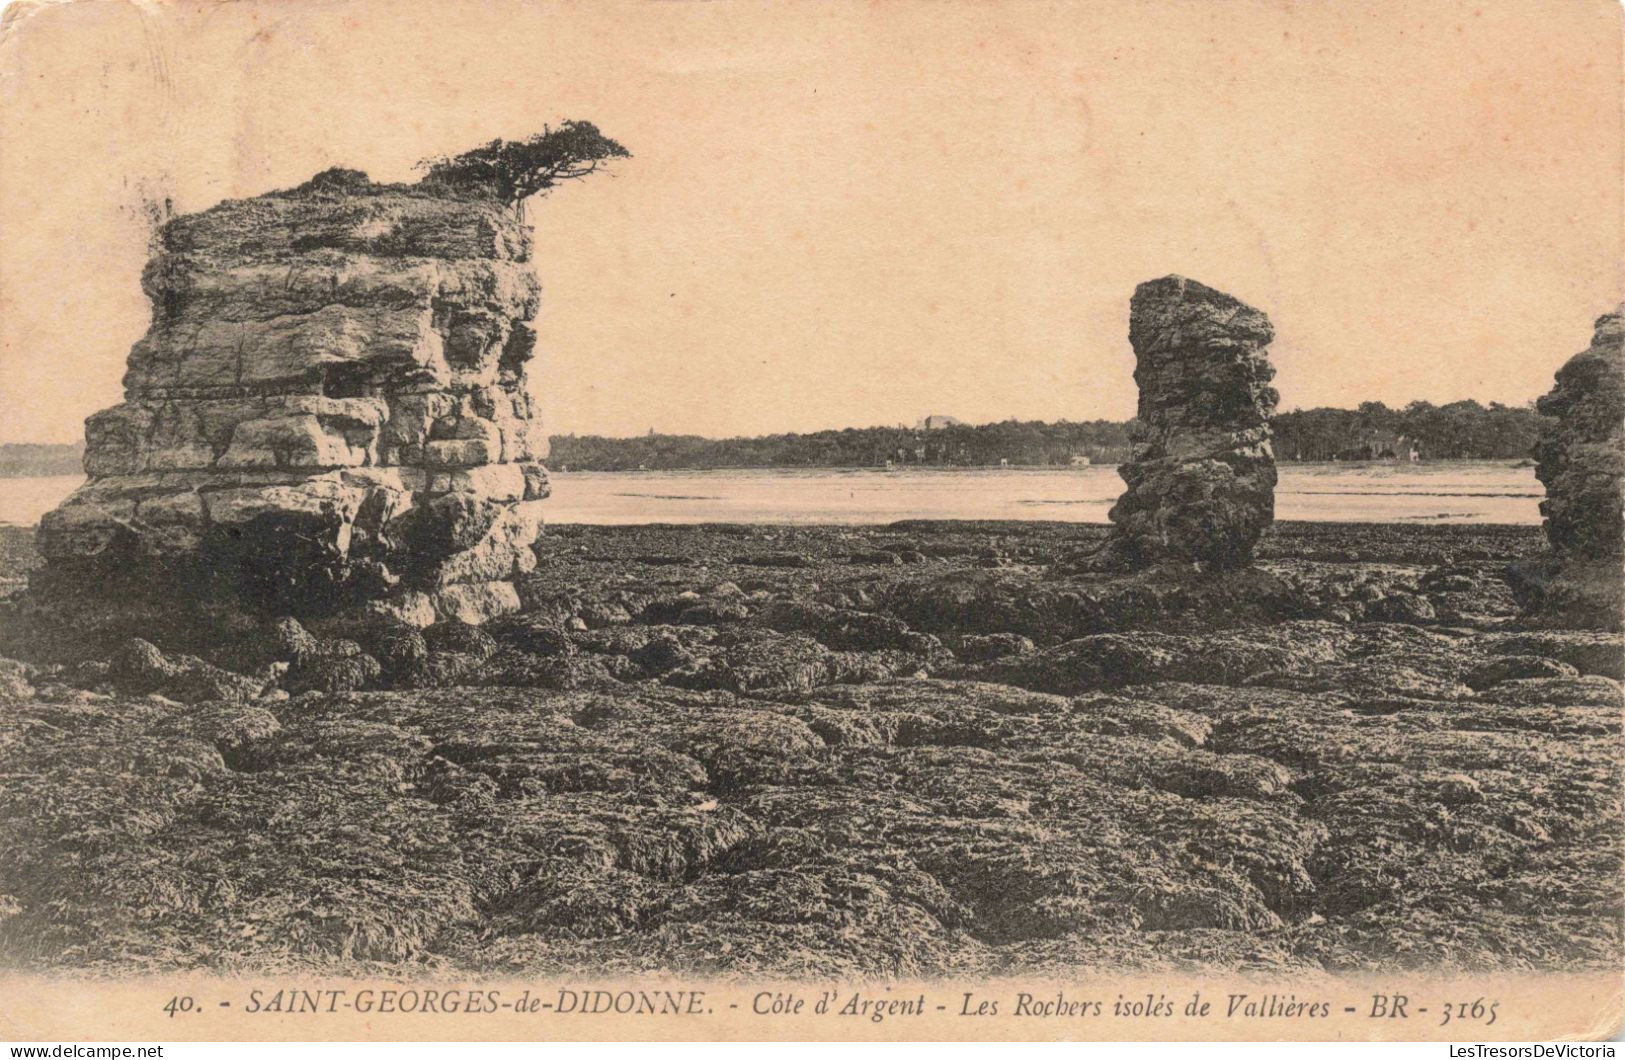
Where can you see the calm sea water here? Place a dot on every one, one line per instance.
(1429, 493)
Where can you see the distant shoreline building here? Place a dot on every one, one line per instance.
(1382, 446)
(938, 422)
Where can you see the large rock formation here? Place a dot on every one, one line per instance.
(1201, 481)
(329, 409)
(1580, 459)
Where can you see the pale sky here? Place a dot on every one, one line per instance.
(845, 214)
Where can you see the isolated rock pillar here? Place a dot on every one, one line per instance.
(1201, 480)
(329, 410)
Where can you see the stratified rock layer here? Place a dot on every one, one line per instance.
(1201, 482)
(328, 408)
(1580, 459)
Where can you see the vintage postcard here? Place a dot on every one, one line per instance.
(1097, 519)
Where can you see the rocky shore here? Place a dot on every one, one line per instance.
(918, 749)
(300, 686)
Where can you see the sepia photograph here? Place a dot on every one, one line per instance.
(1089, 520)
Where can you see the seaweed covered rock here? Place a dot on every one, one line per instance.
(328, 406)
(1165, 772)
(1201, 480)
(1580, 459)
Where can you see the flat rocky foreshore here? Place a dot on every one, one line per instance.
(914, 750)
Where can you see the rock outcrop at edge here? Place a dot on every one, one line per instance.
(1580, 459)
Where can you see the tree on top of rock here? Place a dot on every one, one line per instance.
(514, 170)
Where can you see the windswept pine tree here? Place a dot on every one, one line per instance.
(515, 170)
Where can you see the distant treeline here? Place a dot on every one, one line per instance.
(1461, 430)
(27, 459)
(1029, 442)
